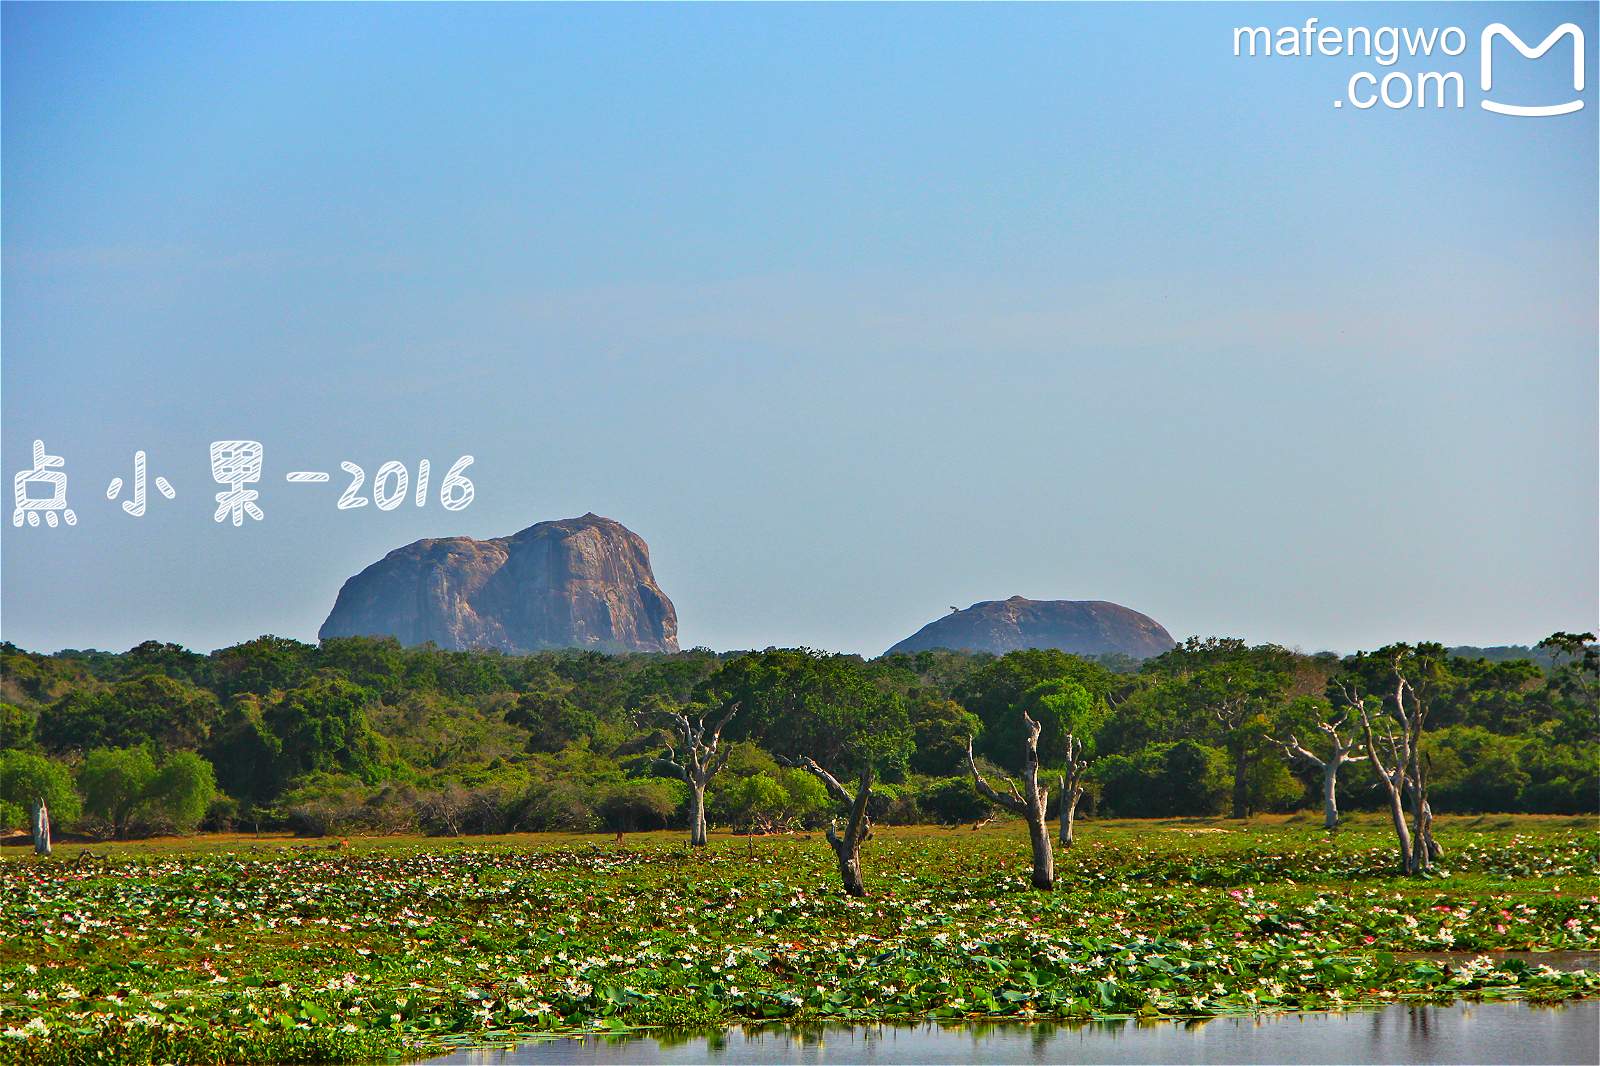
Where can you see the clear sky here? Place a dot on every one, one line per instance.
(852, 312)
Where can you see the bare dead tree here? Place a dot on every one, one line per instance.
(86, 856)
(1398, 764)
(695, 762)
(858, 830)
(1071, 790)
(1390, 766)
(40, 822)
(1340, 751)
(1031, 803)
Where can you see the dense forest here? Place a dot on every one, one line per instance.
(360, 735)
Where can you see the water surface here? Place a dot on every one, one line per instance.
(1556, 960)
(1460, 1033)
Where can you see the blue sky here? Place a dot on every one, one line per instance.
(853, 312)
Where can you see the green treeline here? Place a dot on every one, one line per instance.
(362, 735)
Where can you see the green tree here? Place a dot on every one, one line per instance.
(261, 666)
(123, 786)
(1064, 708)
(773, 800)
(26, 777)
(552, 721)
(323, 726)
(150, 709)
(38, 678)
(939, 732)
(16, 728)
(805, 706)
(1230, 694)
(755, 800)
(801, 703)
(1564, 778)
(953, 799)
(246, 754)
(996, 695)
(115, 783)
(671, 679)
(171, 660)
(1577, 680)
(807, 800)
(1475, 771)
(182, 788)
(1181, 779)
(371, 662)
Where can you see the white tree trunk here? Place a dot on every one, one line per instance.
(1071, 789)
(1330, 801)
(1393, 781)
(1030, 805)
(1397, 813)
(697, 815)
(1069, 811)
(40, 822)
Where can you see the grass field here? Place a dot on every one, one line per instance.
(244, 948)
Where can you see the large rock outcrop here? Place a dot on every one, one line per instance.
(579, 583)
(1083, 627)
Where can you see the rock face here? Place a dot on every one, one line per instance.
(583, 582)
(1083, 627)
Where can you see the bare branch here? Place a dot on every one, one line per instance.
(829, 782)
(1011, 803)
(1294, 749)
(858, 810)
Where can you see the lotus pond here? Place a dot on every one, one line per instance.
(243, 949)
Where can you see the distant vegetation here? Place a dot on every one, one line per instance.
(360, 735)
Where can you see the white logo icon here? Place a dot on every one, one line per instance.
(1534, 53)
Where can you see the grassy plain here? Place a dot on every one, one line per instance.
(244, 948)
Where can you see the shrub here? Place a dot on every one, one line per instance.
(953, 799)
(454, 810)
(222, 815)
(560, 805)
(644, 803)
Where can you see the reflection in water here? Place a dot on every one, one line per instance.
(1556, 960)
(1463, 1033)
